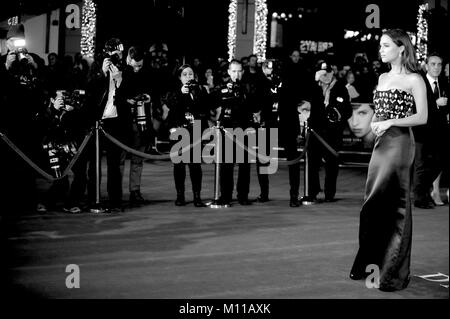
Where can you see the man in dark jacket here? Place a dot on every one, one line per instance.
(102, 87)
(133, 98)
(429, 156)
(295, 87)
(23, 98)
(329, 113)
(234, 112)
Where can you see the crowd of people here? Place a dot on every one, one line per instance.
(137, 94)
(242, 93)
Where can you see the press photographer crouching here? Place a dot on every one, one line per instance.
(134, 98)
(70, 129)
(22, 97)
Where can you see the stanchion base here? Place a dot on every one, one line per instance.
(217, 204)
(99, 209)
(306, 200)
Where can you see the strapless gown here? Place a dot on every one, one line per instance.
(385, 230)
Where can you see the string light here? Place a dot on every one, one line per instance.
(422, 33)
(232, 23)
(88, 22)
(260, 37)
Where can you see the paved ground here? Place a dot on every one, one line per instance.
(260, 251)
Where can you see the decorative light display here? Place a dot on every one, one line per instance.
(88, 28)
(260, 34)
(422, 33)
(232, 23)
(260, 37)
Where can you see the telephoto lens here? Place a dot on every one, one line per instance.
(140, 116)
(53, 158)
(189, 119)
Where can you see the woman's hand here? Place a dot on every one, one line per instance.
(378, 128)
(57, 103)
(184, 89)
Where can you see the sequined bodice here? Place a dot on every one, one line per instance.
(393, 104)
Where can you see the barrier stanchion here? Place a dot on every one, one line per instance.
(216, 202)
(306, 199)
(97, 208)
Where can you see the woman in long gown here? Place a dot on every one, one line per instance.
(385, 231)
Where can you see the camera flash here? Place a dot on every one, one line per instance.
(19, 43)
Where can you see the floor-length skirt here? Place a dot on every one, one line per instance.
(385, 231)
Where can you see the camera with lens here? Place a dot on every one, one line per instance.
(21, 54)
(191, 85)
(139, 112)
(74, 99)
(332, 114)
(59, 153)
(188, 120)
(53, 156)
(231, 91)
(115, 59)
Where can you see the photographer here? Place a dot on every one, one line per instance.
(233, 112)
(265, 98)
(22, 97)
(296, 86)
(103, 81)
(330, 111)
(188, 103)
(133, 98)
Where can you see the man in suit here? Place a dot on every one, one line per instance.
(428, 161)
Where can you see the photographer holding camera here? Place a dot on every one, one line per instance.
(187, 103)
(104, 80)
(133, 98)
(234, 111)
(22, 97)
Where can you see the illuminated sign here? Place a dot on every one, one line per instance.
(13, 21)
(307, 46)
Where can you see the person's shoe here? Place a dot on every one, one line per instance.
(244, 201)
(136, 198)
(180, 201)
(198, 201)
(224, 201)
(262, 198)
(115, 208)
(329, 199)
(436, 197)
(294, 202)
(423, 204)
(357, 276)
(41, 208)
(72, 209)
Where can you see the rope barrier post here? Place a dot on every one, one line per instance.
(306, 199)
(97, 208)
(216, 202)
